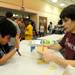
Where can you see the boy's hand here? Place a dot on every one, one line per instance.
(17, 44)
(17, 41)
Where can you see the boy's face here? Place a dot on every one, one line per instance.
(4, 40)
(69, 25)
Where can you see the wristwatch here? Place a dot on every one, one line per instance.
(17, 50)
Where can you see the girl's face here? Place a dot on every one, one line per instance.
(69, 25)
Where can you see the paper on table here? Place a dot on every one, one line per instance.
(69, 70)
(53, 66)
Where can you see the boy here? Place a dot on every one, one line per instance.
(68, 42)
(9, 17)
(7, 30)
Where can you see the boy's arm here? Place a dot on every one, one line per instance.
(4, 59)
(7, 56)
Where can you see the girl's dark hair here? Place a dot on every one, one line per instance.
(68, 12)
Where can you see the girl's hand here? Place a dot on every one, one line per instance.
(41, 49)
(49, 56)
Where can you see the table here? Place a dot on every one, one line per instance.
(27, 64)
(55, 37)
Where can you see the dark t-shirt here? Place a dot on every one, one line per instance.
(68, 43)
(4, 49)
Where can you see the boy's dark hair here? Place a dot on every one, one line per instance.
(7, 28)
(68, 12)
(9, 14)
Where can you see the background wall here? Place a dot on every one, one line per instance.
(39, 7)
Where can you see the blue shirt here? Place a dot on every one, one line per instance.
(4, 49)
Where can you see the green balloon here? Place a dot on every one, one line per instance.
(47, 41)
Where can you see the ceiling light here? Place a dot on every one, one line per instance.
(62, 4)
(13, 15)
(54, 1)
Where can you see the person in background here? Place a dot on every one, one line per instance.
(28, 30)
(50, 27)
(34, 26)
(7, 30)
(34, 29)
(2, 17)
(21, 25)
(68, 42)
(59, 28)
(9, 17)
(42, 30)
